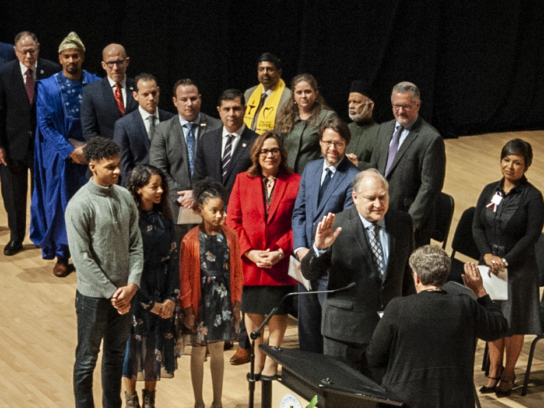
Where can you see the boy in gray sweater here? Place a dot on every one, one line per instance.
(106, 247)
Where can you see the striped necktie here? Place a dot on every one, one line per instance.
(376, 247)
(119, 99)
(227, 155)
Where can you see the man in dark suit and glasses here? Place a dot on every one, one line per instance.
(370, 245)
(224, 153)
(17, 128)
(410, 153)
(427, 341)
(109, 99)
(134, 132)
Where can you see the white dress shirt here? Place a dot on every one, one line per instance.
(196, 128)
(405, 132)
(145, 115)
(237, 135)
(24, 69)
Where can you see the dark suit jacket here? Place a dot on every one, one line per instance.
(246, 215)
(17, 115)
(363, 141)
(427, 342)
(131, 136)
(168, 152)
(208, 158)
(336, 198)
(6, 53)
(99, 109)
(417, 174)
(352, 315)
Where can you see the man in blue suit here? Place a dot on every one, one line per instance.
(110, 98)
(6, 53)
(325, 187)
(134, 132)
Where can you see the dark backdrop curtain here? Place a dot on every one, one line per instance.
(478, 64)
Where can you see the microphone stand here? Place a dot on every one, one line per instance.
(257, 333)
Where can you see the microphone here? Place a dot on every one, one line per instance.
(257, 333)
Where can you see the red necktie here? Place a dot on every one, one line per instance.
(119, 100)
(29, 85)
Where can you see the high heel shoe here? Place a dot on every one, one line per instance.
(489, 390)
(506, 393)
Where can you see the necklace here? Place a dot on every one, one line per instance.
(270, 181)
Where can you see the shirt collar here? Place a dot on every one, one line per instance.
(146, 114)
(409, 127)
(269, 92)
(34, 68)
(237, 134)
(367, 223)
(332, 168)
(123, 82)
(183, 121)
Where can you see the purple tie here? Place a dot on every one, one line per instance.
(393, 148)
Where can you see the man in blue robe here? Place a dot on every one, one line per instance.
(59, 167)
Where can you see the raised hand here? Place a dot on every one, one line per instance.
(324, 235)
(473, 279)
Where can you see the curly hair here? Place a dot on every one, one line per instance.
(140, 177)
(255, 169)
(100, 148)
(208, 188)
(288, 114)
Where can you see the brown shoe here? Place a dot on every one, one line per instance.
(62, 268)
(240, 357)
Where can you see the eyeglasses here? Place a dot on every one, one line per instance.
(337, 145)
(405, 107)
(275, 151)
(31, 51)
(112, 63)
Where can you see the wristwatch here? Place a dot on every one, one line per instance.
(280, 251)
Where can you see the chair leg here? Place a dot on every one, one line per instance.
(529, 364)
(485, 360)
(476, 399)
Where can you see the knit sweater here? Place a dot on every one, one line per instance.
(104, 239)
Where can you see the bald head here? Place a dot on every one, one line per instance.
(371, 195)
(115, 61)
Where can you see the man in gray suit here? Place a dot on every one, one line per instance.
(368, 245)
(173, 148)
(411, 155)
(364, 131)
(265, 100)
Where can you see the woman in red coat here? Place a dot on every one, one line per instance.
(260, 210)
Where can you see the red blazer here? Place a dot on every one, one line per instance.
(246, 215)
(189, 268)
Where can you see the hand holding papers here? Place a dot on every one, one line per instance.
(295, 272)
(496, 286)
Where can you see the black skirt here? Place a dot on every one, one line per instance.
(262, 299)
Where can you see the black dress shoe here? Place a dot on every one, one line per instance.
(12, 248)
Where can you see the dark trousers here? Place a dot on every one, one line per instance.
(98, 320)
(14, 192)
(309, 317)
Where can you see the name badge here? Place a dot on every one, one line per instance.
(495, 201)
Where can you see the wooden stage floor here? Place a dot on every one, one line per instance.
(38, 320)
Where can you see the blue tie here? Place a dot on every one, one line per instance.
(376, 246)
(324, 185)
(191, 145)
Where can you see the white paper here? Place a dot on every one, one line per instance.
(187, 216)
(296, 273)
(496, 286)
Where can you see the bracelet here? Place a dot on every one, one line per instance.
(281, 253)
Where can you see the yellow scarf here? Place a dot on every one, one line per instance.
(267, 116)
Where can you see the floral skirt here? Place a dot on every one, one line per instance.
(215, 318)
(150, 351)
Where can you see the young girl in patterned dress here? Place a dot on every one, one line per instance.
(211, 286)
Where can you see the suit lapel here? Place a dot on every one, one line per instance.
(180, 144)
(385, 140)
(412, 135)
(277, 197)
(256, 184)
(140, 130)
(213, 145)
(313, 189)
(391, 235)
(360, 236)
(339, 176)
(18, 84)
(131, 102)
(107, 95)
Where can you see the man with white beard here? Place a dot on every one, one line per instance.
(364, 131)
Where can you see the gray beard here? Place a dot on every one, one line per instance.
(365, 114)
